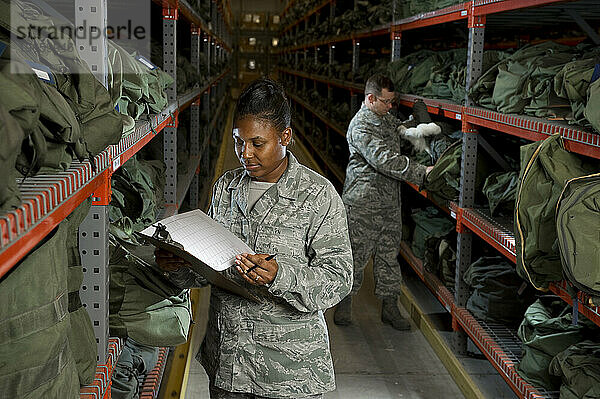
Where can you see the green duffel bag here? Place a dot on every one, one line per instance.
(495, 291)
(430, 227)
(11, 136)
(447, 262)
(143, 304)
(44, 115)
(511, 91)
(547, 330)
(36, 356)
(572, 82)
(500, 188)
(140, 187)
(592, 107)
(577, 227)
(545, 168)
(443, 182)
(444, 179)
(539, 89)
(578, 367)
(99, 123)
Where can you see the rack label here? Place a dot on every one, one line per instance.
(463, 13)
(453, 214)
(458, 117)
(116, 163)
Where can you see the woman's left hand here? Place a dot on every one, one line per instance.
(255, 269)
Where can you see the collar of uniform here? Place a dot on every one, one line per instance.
(287, 185)
(369, 116)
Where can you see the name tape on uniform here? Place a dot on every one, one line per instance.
(42, 72)
(146, 62)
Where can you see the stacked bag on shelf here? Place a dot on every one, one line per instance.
(578, 367)
(48, 330)
(547, 80)
(367, 14)
(414, 7)
(551, 341)
(432, 241)
(35, 328)
(497, 292)
(63, 115)
(53, 110)
(577, 221)
(437, 74)
(137, 86)
(546, 167)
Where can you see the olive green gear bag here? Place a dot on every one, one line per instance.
(495, 291)
(577, 227)
(36, 356)
(592, 107)
(572, 82)
(500, 188)
(443, 182)
(545, 168)
(547, 330)
(143, 304)
(578, 367)
(431, 226)
(139, 188)
(11, 136)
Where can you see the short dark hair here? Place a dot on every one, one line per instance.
(264, 99)
(376, 83)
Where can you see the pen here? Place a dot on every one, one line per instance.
(255, 266)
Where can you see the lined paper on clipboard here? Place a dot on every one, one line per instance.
(203, 238)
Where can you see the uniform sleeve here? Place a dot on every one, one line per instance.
(327, 276)
(382, 157)
(186, 277)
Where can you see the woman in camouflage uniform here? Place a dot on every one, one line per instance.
(278, 347)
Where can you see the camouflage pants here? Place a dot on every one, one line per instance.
(376, 233)
(218, 393)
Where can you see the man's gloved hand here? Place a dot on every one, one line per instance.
(416, 135)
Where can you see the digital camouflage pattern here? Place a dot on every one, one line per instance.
(372, 197)
(377, 233)
(279, 347)
(376, 166)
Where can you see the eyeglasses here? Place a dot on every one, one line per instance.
(386, 102)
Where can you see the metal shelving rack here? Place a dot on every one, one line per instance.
(499, 345)
(48, 199)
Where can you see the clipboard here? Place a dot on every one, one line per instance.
(206, 239)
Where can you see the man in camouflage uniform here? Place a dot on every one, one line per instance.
(372, 199)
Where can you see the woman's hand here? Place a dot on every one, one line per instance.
(255, 269)
(168, 261)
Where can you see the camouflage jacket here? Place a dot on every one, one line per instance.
(376, 166)
(280, 346)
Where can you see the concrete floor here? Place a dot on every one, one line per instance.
(372, 360)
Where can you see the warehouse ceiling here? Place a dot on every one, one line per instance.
(271, 6)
